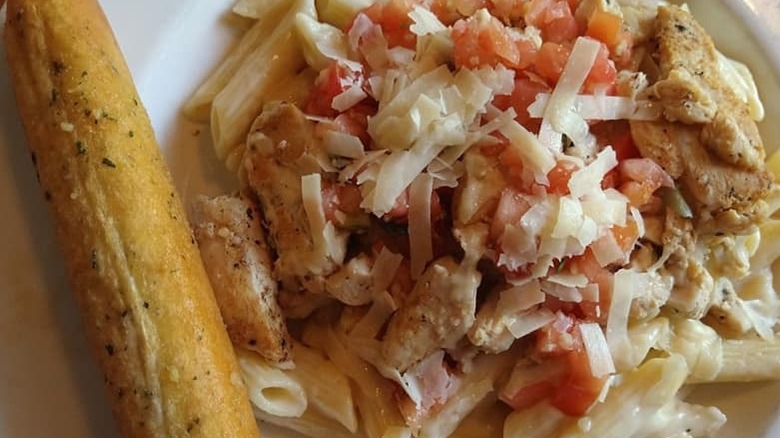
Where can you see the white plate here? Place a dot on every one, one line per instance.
(48, 383)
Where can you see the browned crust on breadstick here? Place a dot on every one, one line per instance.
(146, 301)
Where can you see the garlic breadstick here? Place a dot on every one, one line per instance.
(134, 267)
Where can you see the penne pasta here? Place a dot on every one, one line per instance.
(374, 394)
(768, 251)
(198, 107)
(311, 423)
(486, 420)
(629, 405)
(539, 421)
(257, 9)
(678, 418)
(270, 389)
(474, 387)
(340, 12)
(327, 388)
(277, 57)
(749, 360)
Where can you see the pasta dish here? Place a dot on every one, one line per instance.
(519, 218)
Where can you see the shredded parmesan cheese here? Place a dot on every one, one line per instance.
(420, 243)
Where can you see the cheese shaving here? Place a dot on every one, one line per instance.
(342, 144)
(425, 22)
(561, 111)
(617, 318)
(311, 191)
(588, 179)
(602, 107)
(420, 243)
(599, 357)
(520, 298)
(348, 98)
(384, 269)
(530, 322)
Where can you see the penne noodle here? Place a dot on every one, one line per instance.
(629, 405)
(270, 389)
(312, 423)
(277, 57)
(749, 360)
(541, 420)
(340, 12)
(678, 417)
(257, 9)
(473, 388)
(486, 420)
(374, 395)
(198, 107)
(327, 387)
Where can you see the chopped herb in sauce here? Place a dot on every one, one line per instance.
(107, 162)
(81, 149)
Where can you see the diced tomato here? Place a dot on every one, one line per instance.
(529, 395)
(638, 193)
(400, 211)
(509, 11)
(624, 146)
(354, 121)
(605, 27)
(550, 61)
(523, 95)
(602, 75)
(480, 42)
(511, 207)
(536, 12)
(611, 180)
(450, 11)
(393, 17)
(587, 265)
(560, 24)
(626, 235)
(643, 177)
(580, 389)
(554, 18)
(608, 28)
(343, 197)
(559, 177)
(645, 169)
(617, 134)
(331, 82)
(558, 337)
(527, 51)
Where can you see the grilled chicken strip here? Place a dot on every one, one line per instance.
(232, 244)
(708, 142)
(439, 312)
(282, 148)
